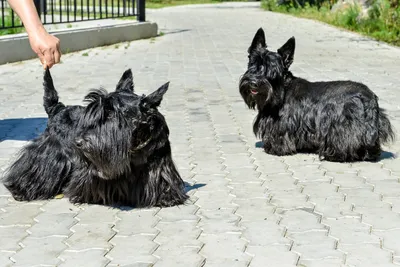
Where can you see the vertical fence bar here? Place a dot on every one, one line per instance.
(43, 7)
(118, 7)
(52, 11)
(94, 9)
(68, 10)
(101, 10)
(141, 10)
(112, 8)
(87, 8)
(12, 19)
(75, 10)
(3, 17)
(106, 7)
(61, 11)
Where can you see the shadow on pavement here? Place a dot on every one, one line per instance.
(384, 154)
(21, 129)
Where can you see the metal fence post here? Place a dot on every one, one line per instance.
(141, 7)
(37, 5)
(41, 6)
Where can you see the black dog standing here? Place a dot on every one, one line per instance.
(339, 120)
(114, 151)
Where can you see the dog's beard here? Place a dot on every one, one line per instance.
(255, 91)
(106, 149)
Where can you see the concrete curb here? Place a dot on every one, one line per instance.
(16, 47)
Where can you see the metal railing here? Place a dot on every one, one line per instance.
(68, 11)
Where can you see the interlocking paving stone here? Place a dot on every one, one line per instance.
(247, 208)
(90, 258)
(273, 255)
(39, 251)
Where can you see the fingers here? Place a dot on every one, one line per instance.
(49, 58)
(42, 60)
(57, 52)
(49, 53)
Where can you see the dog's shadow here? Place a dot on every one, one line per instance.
(188, 188)
(21, 129)
(384, 155)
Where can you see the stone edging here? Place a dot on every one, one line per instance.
(16, 47)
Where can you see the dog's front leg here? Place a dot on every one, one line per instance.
(279, 145)
(164, 187)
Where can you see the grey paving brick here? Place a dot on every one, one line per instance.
(214, 200)
(333, 207)
(90, 236)
(213, 182)
(291, 200)
(11, 236)
(19, 214)
(366, 255)
(275, 255)
(389, 240)
(241, 175)
(308, 221)
(140, 249)
(241, 191)
(96, 213)
(265, 233)
(178, 234)
(229, 246)
(130, 223)
(89, 258)
(39, 251)
(5, 258)
(179, 213)
(60, 225)
(315, 245)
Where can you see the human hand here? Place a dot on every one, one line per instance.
(46, 46)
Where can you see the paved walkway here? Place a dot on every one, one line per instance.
(247, 208)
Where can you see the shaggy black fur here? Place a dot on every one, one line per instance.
(114, 151)
(339, 120)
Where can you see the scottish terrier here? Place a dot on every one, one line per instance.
(339, 120)
(113, 151)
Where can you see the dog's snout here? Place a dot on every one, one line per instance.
(253, 84)
(79, 142)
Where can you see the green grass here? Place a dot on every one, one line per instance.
(8, 22)
(382, 22)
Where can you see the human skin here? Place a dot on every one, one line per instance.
(45, 45)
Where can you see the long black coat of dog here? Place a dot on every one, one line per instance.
(339, 120)
(114, 151)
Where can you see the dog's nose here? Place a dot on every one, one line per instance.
(253, 84)
(78, 142)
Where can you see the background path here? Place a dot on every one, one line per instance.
(247, 208)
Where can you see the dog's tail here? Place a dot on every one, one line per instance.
(50, 98)
(386, 133)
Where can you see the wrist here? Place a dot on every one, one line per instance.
(35, 30)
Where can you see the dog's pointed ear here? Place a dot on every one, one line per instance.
(126, 82)
(154, 99)
(287, 52)
(258, 41)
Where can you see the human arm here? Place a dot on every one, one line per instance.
(46, 46)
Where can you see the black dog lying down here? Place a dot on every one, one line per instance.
(114, 151)
(339, 120)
